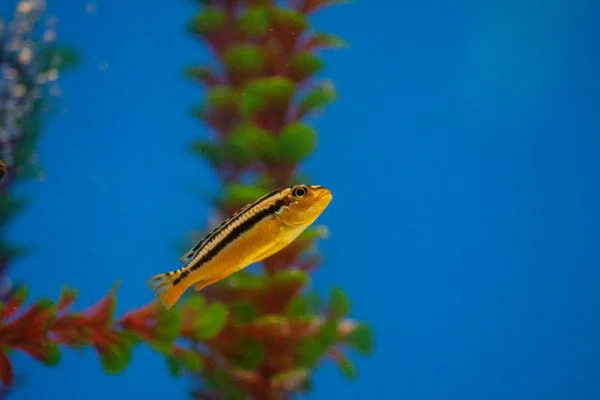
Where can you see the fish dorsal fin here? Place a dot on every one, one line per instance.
(193, 252)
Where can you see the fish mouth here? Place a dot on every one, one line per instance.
(324, 195)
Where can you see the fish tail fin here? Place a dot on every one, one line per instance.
(167, 287)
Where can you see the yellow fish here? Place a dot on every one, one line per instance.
(257, 231)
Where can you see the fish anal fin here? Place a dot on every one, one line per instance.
(210, 280)
(199, 285)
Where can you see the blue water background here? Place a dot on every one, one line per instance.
(463, 155)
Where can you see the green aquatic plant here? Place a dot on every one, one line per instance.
(259, 92)
(253, 335)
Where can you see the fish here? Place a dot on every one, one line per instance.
(257, 231)
(2, 169)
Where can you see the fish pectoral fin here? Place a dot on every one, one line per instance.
(267, 252)
(259, 256)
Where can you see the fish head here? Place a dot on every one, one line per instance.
(305, 204)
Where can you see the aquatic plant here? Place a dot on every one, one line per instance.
(30, 65)
(259, 93)
(261, 334)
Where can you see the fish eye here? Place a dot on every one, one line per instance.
(299, 191)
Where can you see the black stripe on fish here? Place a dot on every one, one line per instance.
(192, 253)
(236, 232)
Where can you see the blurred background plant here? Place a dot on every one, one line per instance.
(259, 333)
(30, 64)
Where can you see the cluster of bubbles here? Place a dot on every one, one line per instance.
(23, 78)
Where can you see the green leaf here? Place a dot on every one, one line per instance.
(209, 20)
(256, 20)
(116, 358)
(294, 379)
(296, 142)
(296, 276)
(213, 152)
(251, 353)
(251, 103)
(10, 207)
(276, 88)
(347, 368)
(290, 19)
(226, 385)
(318, 98)
(361, 339)
(131, 338)
(167, 329)
(27, 146)
(297, 308)
(174, 366)
(221, 96)
(217, 378)
(245, 57)
(271, 320)
(243, 311)
(248, 143)
(9, 252)
(263, 92)
(192, 361)
(308, 353)
(209, 323)
(45, 304)
(315, 232)
(59, 57)
(328, 334)
(195, 302)
(52, 356)
(339, 303)
(20, 295)
(247, 281)
(305, 64)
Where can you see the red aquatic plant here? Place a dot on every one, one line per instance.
(41, 328)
